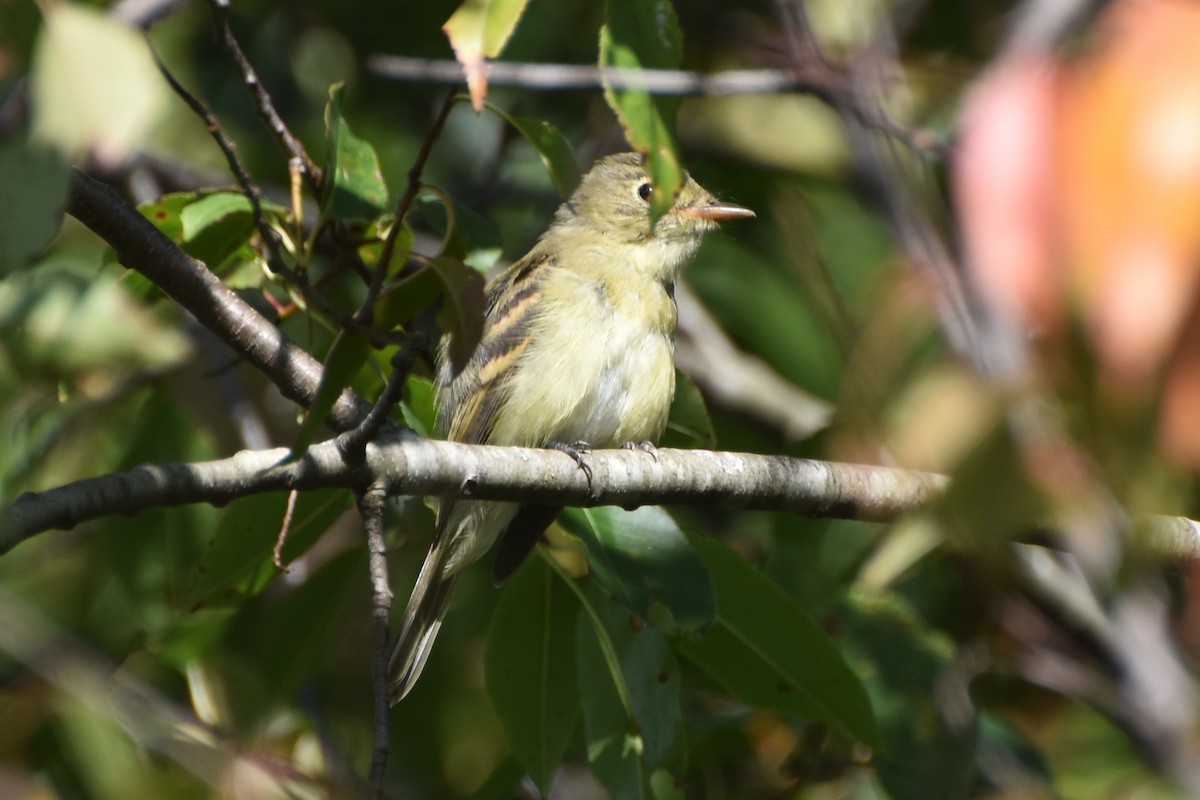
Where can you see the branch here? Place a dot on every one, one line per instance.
(822, 80)
(142, 247)
(406, 464)
(370, 507)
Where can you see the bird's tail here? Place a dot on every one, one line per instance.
(422, 619)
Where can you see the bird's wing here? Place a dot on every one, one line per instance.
(470, 402)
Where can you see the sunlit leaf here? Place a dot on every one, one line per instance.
(645, 34)
(478, 30)
(768, 652)
(354, 185)
(216, 226)
(529, 668)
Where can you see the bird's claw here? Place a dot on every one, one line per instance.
(645, 446)
(578, 452)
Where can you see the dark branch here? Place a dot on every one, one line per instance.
(143, 247)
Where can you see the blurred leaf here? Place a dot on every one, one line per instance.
(768, 652)
(346, 357)
(354, 185)
(478, 30)
(238, 558)
(462, 313)
(907, 660)
(550, 145)
(503, 782)
(643, 558)
(529, 667)
(57, 321)
(645, 34)
(688, 425)
(33, 193)
(95, 84)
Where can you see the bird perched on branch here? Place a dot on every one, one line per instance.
(577, 347)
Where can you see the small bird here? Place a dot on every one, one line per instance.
(577, 351)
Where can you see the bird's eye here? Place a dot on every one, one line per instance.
(644, 191)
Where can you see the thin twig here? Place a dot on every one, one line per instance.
(366, 312)
(249, 187)
(822, 80)
(354, 442)
(262, 98)
(253, 193)
(370, 508)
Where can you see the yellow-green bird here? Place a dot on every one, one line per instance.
(578, 347)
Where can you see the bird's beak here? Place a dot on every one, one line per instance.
(716, 211)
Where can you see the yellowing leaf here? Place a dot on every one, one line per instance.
(478, 30)
(96, 86)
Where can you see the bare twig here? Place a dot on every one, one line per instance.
(249, 187)
(819, 79)
(262, 98)
(370, 508)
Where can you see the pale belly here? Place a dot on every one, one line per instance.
(603, 390)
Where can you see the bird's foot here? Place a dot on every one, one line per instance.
(646, 446)
(578, 452)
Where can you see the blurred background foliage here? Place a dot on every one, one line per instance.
(1017, 641)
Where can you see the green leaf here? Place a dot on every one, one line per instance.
(418, 406)
(642, 557)
(632, 716)
(238, 558)
(529, 668)
(645, 34)
(615, 747)
(768, 652)
(688, 425)
(95, 84)
(403, 300)
(346, 357)
(478, 30)
(198, 215)
(354, 185)
(213, 227)
(33, 193)
(550, 145)
(462, 313)
(216, 226)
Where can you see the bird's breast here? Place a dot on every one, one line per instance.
(603, 356)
